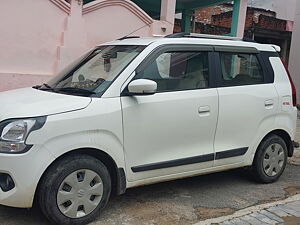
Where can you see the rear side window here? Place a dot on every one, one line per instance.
(241, 69)
(178, 71)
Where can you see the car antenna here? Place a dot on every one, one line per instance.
(127, 36)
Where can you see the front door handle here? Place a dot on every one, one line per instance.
(204, 110)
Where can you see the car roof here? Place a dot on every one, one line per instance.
(197, 41)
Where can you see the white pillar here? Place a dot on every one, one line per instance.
(242, 18)
(74, 36)
(294, 65)
(165, 25)
(167, 12)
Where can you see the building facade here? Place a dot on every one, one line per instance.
(261, 25)
(40, 37)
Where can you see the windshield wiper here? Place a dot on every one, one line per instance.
(75, 90)
(40, 87)
(47, 86)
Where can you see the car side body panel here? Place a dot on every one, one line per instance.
(99, 128)
(287, 114)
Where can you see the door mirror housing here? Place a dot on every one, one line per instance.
(142, 87)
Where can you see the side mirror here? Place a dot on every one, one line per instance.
(142, 87)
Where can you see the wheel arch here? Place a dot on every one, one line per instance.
(118, 176)
(285, 136)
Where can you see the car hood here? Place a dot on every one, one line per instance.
(30, 102)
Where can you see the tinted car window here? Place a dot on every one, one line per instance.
(241, 69)
(176, 71)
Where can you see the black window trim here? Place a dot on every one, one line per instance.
(236, 49)
(214, 62)
(177, 48)
(265, 57)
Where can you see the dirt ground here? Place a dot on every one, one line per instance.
(291, 220)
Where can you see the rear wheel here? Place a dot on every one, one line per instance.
(74, 190)
(270, 159)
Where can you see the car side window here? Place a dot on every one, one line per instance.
(178, 71)
(241, 69)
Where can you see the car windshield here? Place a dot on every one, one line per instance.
(94, 72)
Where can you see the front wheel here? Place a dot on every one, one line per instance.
(270, 159)
(74, 190)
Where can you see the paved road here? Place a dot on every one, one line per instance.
(280, 214)
(180, 202)
(285, 212)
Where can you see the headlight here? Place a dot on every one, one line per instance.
(15, 132)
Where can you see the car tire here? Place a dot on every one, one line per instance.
(74, 190)
(270, 159)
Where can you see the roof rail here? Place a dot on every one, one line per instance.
(249, 40)
(277, 48)
(206, 36)
(177, 35)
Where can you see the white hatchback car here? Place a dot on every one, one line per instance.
(142, 110)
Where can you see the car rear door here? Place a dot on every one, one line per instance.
(248, 102)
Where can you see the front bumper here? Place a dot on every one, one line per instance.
(25, 170)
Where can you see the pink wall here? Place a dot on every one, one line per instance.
(30, 34)
(40, 37)
(12, 81)
(102, 18)
(285, 9)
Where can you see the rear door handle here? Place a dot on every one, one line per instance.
(269, 103)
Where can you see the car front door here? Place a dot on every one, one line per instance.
(172, 131)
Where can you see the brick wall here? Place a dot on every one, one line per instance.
(205, 15)
(210, 29)
(271, 23)
(217, 20)
(203, 28)
(263, 19)
(225, 19)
